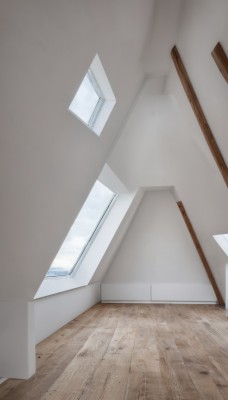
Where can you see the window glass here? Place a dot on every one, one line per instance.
(83, 230)
(88, 100)
(222, 240)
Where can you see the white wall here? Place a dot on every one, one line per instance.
(226, 299)
(157, 250)
(92, 266)
(162, 36)
(119, 235)
(199, 183)
(17, 340)
(23, 324)
(49, 160)
(162, 144)
(52, 312)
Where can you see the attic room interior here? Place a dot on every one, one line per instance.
(114, 200)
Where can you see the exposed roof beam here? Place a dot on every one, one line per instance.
(221, 60)
(201, 253)
(199, 113)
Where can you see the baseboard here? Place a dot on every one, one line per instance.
(191, 293)
(156, 302)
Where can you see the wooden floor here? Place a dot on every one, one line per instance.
(117, 351)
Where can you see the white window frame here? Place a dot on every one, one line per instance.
(87, 245)
(107, 100)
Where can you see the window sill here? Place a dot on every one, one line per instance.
(56, 285)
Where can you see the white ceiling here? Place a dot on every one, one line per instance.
(49, 160)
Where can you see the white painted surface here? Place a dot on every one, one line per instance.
(97, 250)
(107, 95)
(226, 300)
(158, 292)
(157, 248)
(48, 159)
(140, 292)
(166, 144)
(111, 180)
(17, 340)
(118, 237)
(102, 241)
(52, 312)
(162, 37)
(222, 241)
(194, 292)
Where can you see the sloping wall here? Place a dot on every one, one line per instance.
(52, 312)
(157, 259)
(48, 159)
(167, 145)
(199, 183)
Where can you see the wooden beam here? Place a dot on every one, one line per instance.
(201, 253)
(199, 114)
(221, 60)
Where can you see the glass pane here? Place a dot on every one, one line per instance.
(81, 230)
(85, 101)
(222, 240)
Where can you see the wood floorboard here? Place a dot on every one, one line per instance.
(132, 352)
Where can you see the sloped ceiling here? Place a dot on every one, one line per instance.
(162, 143)
(49, 160)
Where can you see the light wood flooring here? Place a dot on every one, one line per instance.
(131, 351)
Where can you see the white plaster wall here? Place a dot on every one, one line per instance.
(158, 249)
(162, 37)
(226, 299)
(48, 159)
(120, 232)
(52, 312)
(167, 145)
(91, 267)
(200, 185)
(17, 340)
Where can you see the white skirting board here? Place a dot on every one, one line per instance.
(157, 292)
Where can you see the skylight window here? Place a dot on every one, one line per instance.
(83, 230)
(88, 100)
(222, 241)
(94, 99)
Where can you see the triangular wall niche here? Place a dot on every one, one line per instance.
(157, 260)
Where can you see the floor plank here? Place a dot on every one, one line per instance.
(132, 352)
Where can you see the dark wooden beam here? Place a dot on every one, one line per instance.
(201, 253)
(199, 114)
(221, 60)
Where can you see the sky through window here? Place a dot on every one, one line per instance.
(88, 100)
(82, 230)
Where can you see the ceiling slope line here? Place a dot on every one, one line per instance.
(221, 60)
(197, 109)
(201, 253)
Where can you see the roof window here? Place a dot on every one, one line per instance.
(94, 99)
(83, 231)
(222, 241)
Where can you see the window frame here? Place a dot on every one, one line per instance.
(92, 236)
(87, 245)
(106, 101)
(101, 101)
